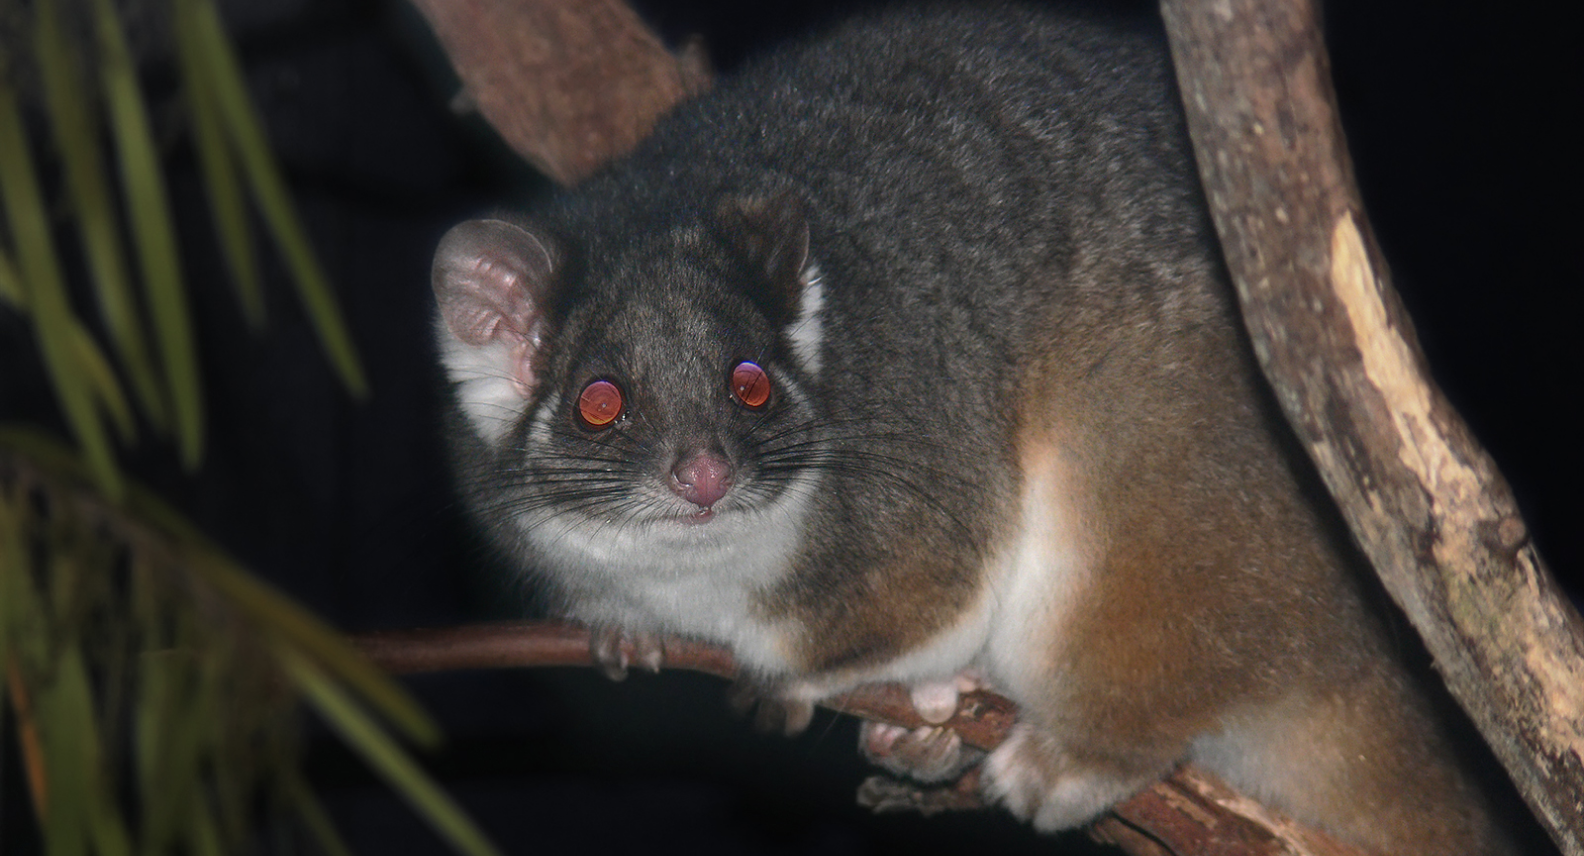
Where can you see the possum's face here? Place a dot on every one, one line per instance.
(644, 416)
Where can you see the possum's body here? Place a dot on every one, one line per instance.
(1010, 423)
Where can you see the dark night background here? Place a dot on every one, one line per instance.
(1455, 117)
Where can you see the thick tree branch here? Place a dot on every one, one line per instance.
(1420, 495)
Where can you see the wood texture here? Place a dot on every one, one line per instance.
(569, 84)
(1423, 499)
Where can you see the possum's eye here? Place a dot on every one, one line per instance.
(600, 404)
(750, 385)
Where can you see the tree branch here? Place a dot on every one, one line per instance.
(1191, 813)
(1423, 499)
(569, 84)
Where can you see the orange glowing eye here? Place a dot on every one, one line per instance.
(750, 385)
(600, 404)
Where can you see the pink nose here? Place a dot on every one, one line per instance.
(701, 479)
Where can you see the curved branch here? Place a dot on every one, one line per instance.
(1423, 499)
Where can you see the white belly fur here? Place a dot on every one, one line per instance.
(1037, 580)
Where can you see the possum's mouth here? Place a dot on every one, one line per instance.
(698, 519)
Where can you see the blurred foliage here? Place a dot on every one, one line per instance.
(150, 683)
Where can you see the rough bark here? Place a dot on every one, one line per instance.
(569, 84)
(1423, 499)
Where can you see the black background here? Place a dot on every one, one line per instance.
(1455, 115)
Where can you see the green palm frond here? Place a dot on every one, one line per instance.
(42, 288)
(208, 668)
(153, 685)
(225, 95)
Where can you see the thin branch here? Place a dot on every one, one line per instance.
(983, 718)
(1191, 813)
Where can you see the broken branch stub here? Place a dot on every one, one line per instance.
(569, 84)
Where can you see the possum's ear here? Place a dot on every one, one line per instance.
(771, 236)
(492, 280)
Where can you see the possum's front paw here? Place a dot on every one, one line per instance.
(1038, 781)
(614, 650)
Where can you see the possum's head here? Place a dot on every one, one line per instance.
(643, 404)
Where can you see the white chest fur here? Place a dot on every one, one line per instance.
(673, 578)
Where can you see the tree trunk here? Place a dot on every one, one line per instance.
(1419, 494)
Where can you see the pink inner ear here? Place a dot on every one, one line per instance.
(501, 309)
(489, 280)
(491, 301)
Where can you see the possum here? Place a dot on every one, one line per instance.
(907, 354)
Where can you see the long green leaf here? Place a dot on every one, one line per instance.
(11, 283)
(71, 739)
(25, 617)
(154, 708)
(221, 180)
(150, 219)
(172, 711)
(13, 568)
(384, 755)
(46, 293)
(76, 137)
(45, 448)
(229, 718)
(306, 649)
(23, 623)
(65, 717)
(107, 829)
(281, 615)
(315, 818)
(102, 381)
(246, 133)
(205, 839)
(261, 602)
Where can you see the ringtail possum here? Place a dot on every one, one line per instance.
(907, 354)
